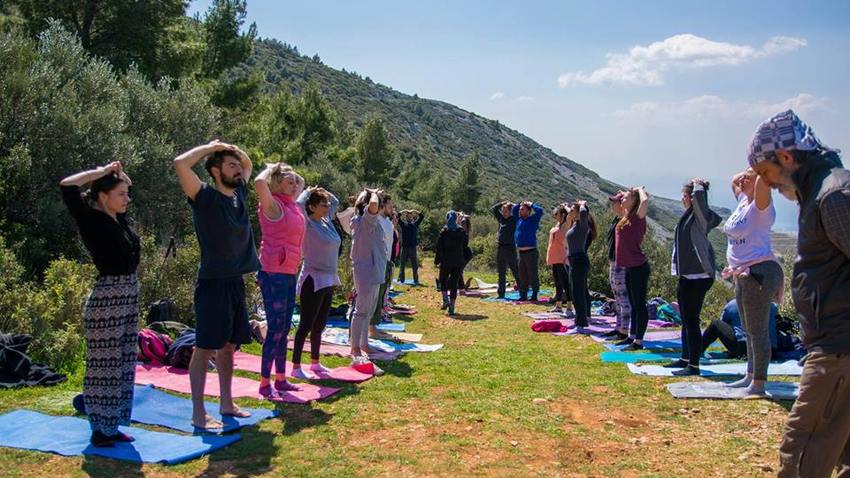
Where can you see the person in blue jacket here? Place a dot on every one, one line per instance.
(528, 216)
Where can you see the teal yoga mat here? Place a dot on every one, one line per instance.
(69, 436)
(635, 357)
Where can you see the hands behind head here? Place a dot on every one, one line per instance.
(117, 168)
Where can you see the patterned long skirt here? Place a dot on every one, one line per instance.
(110, 319)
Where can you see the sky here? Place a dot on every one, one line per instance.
(645, 93)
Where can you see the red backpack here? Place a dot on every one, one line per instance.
(153, 346)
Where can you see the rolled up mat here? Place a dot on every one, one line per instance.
(155, 407)
(719, 390)
(635, 357)
(789, 367)
(177, 380)
(252, 363)
(69, 436)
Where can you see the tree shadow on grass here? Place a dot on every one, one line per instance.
(250, 456)
(469, 317)
(397, 368)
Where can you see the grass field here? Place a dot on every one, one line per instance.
(497, 400)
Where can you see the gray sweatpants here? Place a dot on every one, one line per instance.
(364, 306)
(754, 294)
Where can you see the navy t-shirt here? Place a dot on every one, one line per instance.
(224, 233)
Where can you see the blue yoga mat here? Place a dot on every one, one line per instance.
(406, 282)
(69, 436)
(155, 407)
(514, 295)
(344, 324)
(635, 357)
(651, 345)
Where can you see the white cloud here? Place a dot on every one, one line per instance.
(524, 99)
(646, 65)
(710, 105)
(497, 95)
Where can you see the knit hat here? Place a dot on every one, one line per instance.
(451, 220)
(783, 131)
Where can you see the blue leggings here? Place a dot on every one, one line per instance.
(279, 302)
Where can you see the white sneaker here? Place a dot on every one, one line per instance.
(319, 369)
(302, 374)
(378, 371)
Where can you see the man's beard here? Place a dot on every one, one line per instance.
(232, 182)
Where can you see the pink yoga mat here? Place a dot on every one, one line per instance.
(345, 351)
(177, 380)
(251, 363)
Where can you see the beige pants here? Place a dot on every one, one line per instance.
(818, 427)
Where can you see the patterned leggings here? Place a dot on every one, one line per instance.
(110, 319)
(617, 277)
(279, 302)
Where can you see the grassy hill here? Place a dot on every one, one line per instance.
(441, 135)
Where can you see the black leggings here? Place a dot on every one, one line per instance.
(637, 282)
(449, 280)
(579, 269)
(560, 274)
(315, 306)
(726, 333)
(691, 295)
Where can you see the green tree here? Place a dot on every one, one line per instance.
(375, 154)
(226, 46)
(465, 191)
(124, 32)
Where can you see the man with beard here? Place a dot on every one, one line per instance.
(227, 252)
(788, 156)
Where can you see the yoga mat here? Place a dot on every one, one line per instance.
(485, 285)
(589, 330)
(475, 293)
(340, 337)
(407, 336)
(345, 351)
(513, 296)
(394, 311)
(69, 436)
(651, 345)
(154, 407)
(388, 327)
(661, 335)
(544, 315)
(719, 390)
(406, 282)
(789, 367)
(177, 380)
(635, 357)
(252, 363)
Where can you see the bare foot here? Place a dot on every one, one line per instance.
(207, 423)
(235, 411)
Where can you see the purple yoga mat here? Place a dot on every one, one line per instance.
(252, 363)
(594, 329)
(177, 380)
(657, 335)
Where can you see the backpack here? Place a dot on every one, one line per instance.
(153, 346)
(180, 353)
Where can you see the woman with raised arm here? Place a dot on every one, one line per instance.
(755, 270)
(450, 257)
(282, 226)
(556, 259)
(112, 309)
(581, 233)
(693, 263)
(617, 274)
(369, 255)
(319, 275)
(628, 238)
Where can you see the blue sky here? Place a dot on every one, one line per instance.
(650, 92)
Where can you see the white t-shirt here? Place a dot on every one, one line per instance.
(387, 227)
(748, 233)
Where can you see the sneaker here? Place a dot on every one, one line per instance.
(302, 374)
(677, 364)
(363, 365)
(444, 306)
(319, 369)
(625, 341)
(568, 314)
(556, 310)
(377, 371)
(632, 347)
(610, 334)
(687, 371)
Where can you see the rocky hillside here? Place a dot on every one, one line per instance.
(441, 135)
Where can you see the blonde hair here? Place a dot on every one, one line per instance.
(624, 221)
